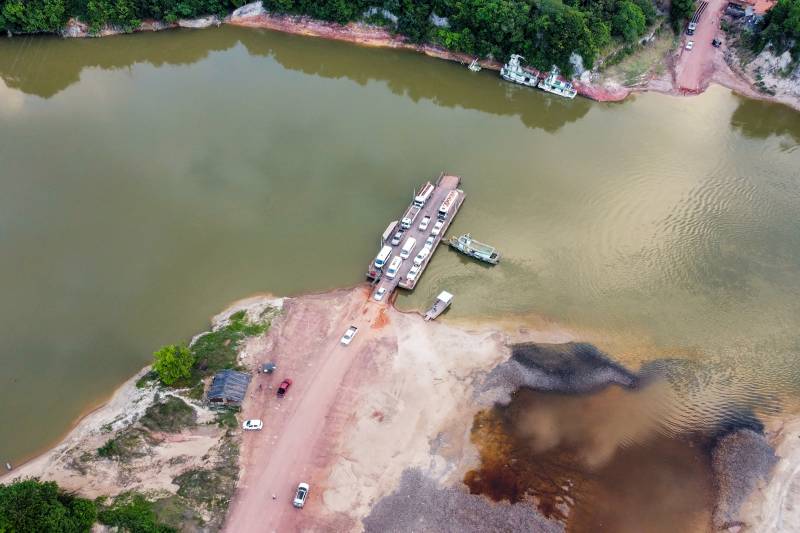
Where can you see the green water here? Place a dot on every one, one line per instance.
(148, 180)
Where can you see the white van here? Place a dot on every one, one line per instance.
(408, 247)
(422, 255)
(394, 266)
(382, 257)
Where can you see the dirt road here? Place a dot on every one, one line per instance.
(296, 438)
(695, 67)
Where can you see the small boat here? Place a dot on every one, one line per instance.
(469, 246)
(442, 302)
(513, 72)
(552, 84)
(474, 66)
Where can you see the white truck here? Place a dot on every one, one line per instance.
(409, 217)
(408, 247)
(424, 193)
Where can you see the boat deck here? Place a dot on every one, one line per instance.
(444, 185)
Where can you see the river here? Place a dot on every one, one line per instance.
(148, 180)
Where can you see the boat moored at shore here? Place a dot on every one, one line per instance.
(552, 84)
(514, 72)
(469, 246)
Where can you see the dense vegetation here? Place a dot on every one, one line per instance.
(545, 31)
(33, 505)
(781, 28)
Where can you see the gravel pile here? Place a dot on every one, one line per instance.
(740, 460)
(568, 368)
(419, 505)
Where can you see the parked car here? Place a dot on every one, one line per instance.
(422, 255)
(283, 387)
(378, 296)
(252, 425)
(348, 335)
(716, 43)
(423, 225)
(301, 495)
(437, 228)
(397, 237)
(429, 241)
(413, 273)
(394, 266)
(690, 45)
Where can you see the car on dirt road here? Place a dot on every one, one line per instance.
(252, 425)
(347, 338)
(300, 495)
(378, 296)
(690, 45)
(283, 387)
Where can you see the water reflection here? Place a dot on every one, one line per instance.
(758, 120)
(44, 66)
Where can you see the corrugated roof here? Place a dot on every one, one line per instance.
(229, 386)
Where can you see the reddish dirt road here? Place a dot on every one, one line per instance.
(695, 67)
(299, 430)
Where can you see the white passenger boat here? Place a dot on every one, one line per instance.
(513, 72)
(552, 84)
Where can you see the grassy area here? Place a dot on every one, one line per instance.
(132, 512)
(125, 446)
(174, 511)
(148, 379)
(227, 418)
(212, 488)
(217, 350)
(632, 65)
(171, 415)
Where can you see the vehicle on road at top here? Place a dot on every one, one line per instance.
(690, 29)
(423, 225)
(378, 296)
(347, 338)
(300, 495)
(252, 425)
(437, 228)
(690, 45)
(397, 237)
(413, 273)
(283, 387)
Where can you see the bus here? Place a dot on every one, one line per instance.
(383, 256)
(448, 204)
(423, 194)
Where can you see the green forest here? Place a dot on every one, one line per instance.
(781, 28)
(546, 32)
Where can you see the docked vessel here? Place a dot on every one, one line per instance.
(552, 84)
(442, 302)
(469, 246)
(474, 66)
(513, 72)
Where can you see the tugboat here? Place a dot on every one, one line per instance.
(469, 246)
(552, 84)
(513, 72)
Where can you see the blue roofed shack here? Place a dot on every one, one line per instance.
(228, 387)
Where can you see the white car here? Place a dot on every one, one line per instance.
(301, 495)
(429, 241)
(437, 228)
(347, 338)
(378, 296)
(394, 266)
(690, 45)
(421, 256)
(252, 425)
(423, 225)
(413, 273)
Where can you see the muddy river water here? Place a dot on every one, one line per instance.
(147, 180)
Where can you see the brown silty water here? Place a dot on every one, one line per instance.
(567, 455)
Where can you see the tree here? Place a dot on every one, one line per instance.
(33, 505)
(629, 22)
(681, 10)
(173, 362)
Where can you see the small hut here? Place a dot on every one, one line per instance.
(228, 387)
